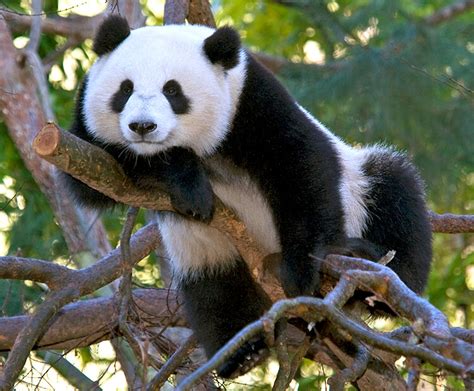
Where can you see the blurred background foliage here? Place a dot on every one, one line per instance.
(373, 71)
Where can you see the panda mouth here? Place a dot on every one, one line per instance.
(148, 142)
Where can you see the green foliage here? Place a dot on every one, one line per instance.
(407, 85)
(451, 288)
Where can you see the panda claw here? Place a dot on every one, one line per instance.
(246, 358)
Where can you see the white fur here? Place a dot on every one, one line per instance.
(236, 190)
(150, 57)
(354, 184)
(192, 246)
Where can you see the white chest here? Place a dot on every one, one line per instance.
(237, 191)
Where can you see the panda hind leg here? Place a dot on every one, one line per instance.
(218, 304)
(220, 295)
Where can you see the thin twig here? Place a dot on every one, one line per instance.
(125, 287)
(317, 306)
(34, 60)
(281, 344)
(35, 30)
(41, 84)
(352, 373)
(414, 367)
(27, 338)
(173, 363)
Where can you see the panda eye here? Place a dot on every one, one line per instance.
(171, 88)
(126, 87)
(170, 91)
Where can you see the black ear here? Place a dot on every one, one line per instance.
(111, 33)
(223, 47)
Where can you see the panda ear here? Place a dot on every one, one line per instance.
(112, 32)
(223, 47)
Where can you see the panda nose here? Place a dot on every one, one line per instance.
(142, 128)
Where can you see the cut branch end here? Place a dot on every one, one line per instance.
(47, 140)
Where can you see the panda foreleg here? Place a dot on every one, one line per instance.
(219, 292)
(188, 184)
(182, 173)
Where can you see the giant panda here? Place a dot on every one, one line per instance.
(189, 107)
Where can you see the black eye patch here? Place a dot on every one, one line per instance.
(179, 102)
(120, 98)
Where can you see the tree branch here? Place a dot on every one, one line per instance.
(452, 224)
(449, 12)
(172, 364)
(200, 13)
(317, 309)
(176, 11)
(89, 321)
(73, 375)
(79, 283)
(99, 170)
(17, 268)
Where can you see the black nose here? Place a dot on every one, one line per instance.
(142, 128)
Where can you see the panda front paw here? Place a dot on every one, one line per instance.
(248, 356)
(197, 203)
(299, 281)
(299, 272)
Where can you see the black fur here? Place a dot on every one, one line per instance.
(179, 102)
(179, 170)
(112, 32)
(299, 172)
(121, 97)
(223, 47)
(297, 169)
(218, 304)
(398, 217)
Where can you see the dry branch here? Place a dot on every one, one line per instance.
(318, 309)
(65, 151)
(99, 170)
(173, 363)
(452, 224)
(95, 167)
(76, 284)
(90, 321)
(17, 92)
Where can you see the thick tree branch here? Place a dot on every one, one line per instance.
(176, 11)
(99, 170)
(200, 13)
(77, 27)
(434, 335)
(22, 113)
(77, 157)
(17, 268)
(318, 309)
(79, 283)
(89, 321)
(452, 224)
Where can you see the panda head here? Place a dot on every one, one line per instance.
(158, 87)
